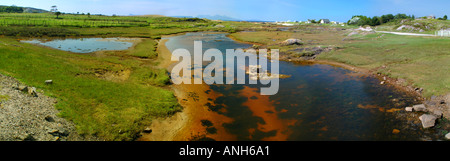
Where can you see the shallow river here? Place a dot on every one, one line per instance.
(319, 102)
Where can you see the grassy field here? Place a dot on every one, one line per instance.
(422, 61)
(97, 94)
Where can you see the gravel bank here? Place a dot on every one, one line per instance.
(24, 117)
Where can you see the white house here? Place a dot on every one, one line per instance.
(324, 21)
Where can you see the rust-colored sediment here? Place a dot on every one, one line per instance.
(197, 111)
(259, 107)
(186, 124)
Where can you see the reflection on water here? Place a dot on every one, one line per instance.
(319, 102)
(85, 45)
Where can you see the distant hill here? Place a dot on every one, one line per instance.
(18, 9)
(218, 17)
(149, 15)
(182, 16)
(33, 10)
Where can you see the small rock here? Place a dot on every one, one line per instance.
(420, 107)
(54, 132)
(49, 82)
(438, 113)
(292, 42)
(382, 82)
(409, 109)
(147, 130)
(442, 102)
(427, 120)
(32, 91)
(26, 137)
(447, 136)
(22, 88)
(58, 132)
(49, 119)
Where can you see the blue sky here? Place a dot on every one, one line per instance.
(274, 10)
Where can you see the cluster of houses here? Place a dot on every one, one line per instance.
(321, 21)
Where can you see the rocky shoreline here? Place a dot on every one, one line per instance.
(29, 115)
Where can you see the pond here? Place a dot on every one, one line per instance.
(85, 45)
(318, 102)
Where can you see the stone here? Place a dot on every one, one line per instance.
(438, 113)
(428, 120)
(49, 119)
(26, 137)
(58, 132)
(22, 88)
(292, 42)
(32, 91)
(49, 82)
(409, 109)
(420, 107)
(54, 132)
(382, 82)
(148, 130)
(447, 136)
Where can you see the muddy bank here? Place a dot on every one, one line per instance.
(187, 124)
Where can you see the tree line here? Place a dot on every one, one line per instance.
(361, 20)
(11, 9)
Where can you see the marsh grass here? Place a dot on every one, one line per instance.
(423, 61)
(145, 49)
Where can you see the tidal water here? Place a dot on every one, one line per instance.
(318, 102)
(84, 45)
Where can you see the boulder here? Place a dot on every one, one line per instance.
(420, 107)
(292, 42)
(49, 82)
(427, 120)
(447, 136)
(409, 109)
